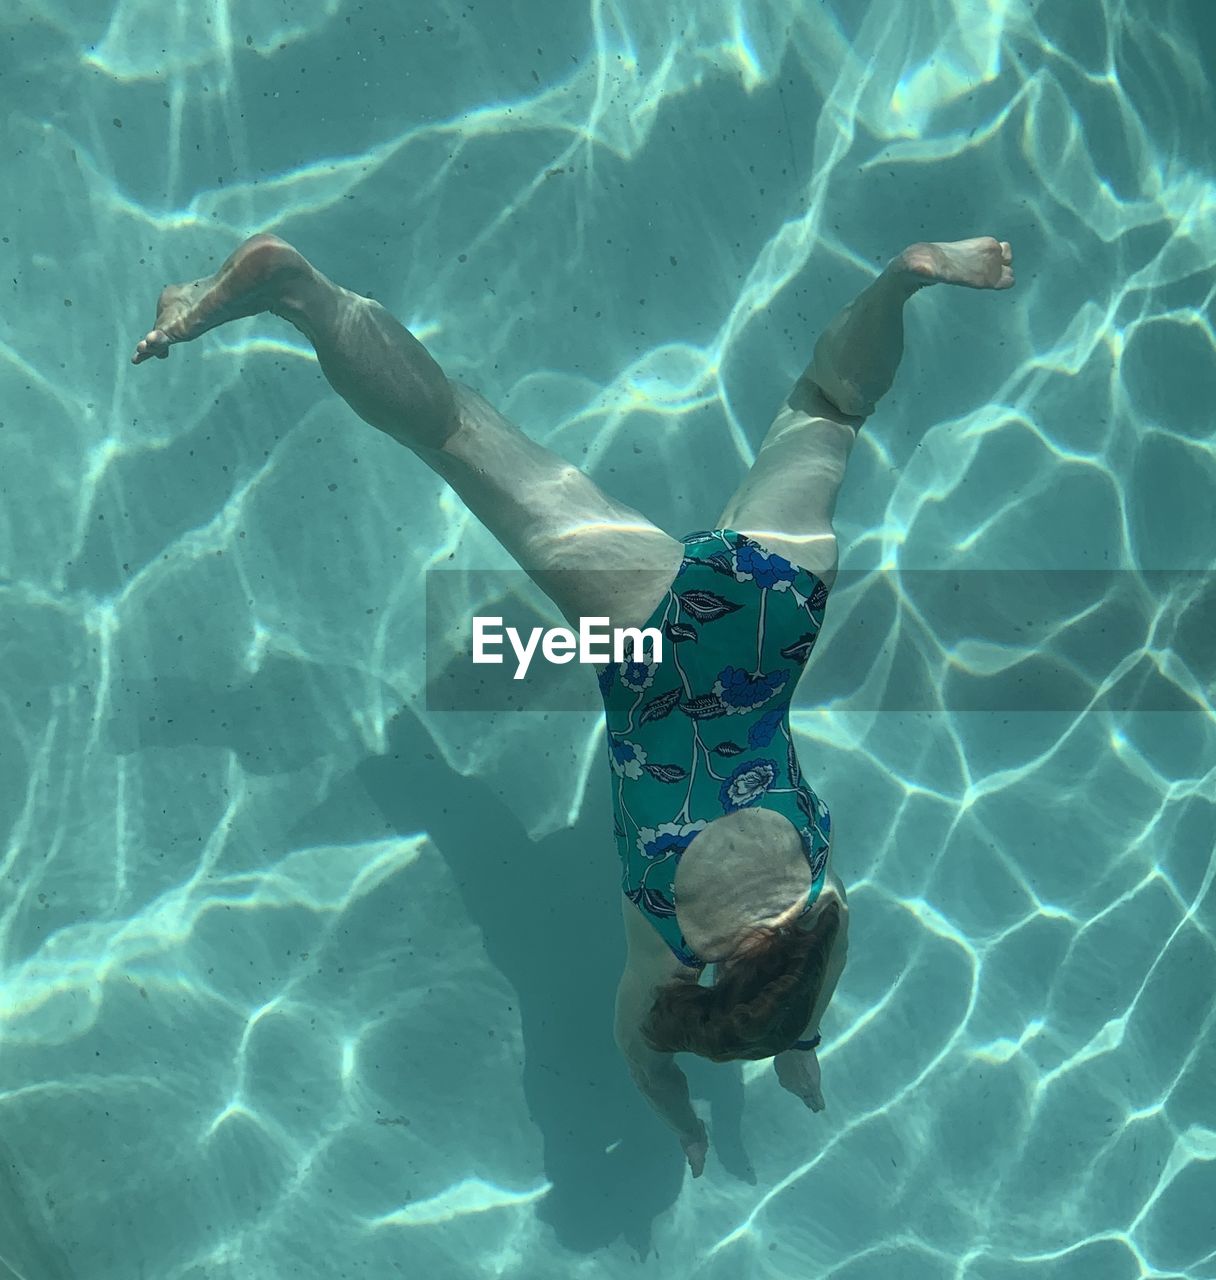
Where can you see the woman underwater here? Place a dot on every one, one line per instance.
(724, 846)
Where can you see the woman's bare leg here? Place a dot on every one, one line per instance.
(590, 554)
(787, 499)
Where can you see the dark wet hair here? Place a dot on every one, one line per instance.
(761, 1002)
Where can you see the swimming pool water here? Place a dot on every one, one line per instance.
(301, 978)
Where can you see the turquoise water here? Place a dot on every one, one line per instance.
(298, 978)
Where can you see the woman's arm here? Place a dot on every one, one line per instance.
(836, 963)
(798, 1069)
(656, 1075)
(649, 965)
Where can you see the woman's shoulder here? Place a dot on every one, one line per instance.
(832, 891)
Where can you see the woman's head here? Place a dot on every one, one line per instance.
(760, 1003)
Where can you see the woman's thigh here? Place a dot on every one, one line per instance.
(787, 499)
(592, 555)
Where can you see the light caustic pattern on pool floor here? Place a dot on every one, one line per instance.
(269, 926)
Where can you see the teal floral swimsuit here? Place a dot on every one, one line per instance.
(706, 732)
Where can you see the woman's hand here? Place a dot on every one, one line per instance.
(695, 1147)
(798, 1071)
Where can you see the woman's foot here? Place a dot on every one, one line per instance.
(983, 263)
(255, 278)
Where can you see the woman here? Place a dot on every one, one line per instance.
(710, 807)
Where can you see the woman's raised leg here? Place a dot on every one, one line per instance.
(589, 553)
(787, 499)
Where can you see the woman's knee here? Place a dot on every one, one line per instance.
(828, 396)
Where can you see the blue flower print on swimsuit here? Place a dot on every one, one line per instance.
(604, 675)
(765, 568)
(637, 675)
(761, 733)
(747, 784)
(627, 757)
(741, 691)
(658, 842)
